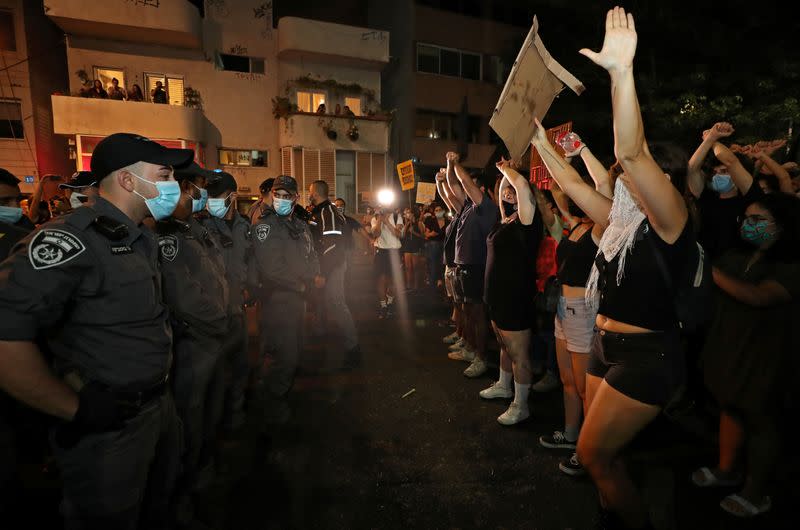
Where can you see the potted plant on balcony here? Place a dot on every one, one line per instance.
(327, 126)
(282, 107)
(352, 132)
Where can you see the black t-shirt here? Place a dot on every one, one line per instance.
(474, 224)
(450, 230)
(511, 261)
(720, 219)
(432, 224)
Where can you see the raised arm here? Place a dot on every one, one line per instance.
(454, 186)
(739, 175)
(695, 178)
(447, 195)
(784, 179)
(548, 217)
(598, 172)
(586, 197)
(526, 208)
(470, 188)
(666, 208)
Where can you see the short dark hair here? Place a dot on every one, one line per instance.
(785, 208)
(673, 161)
(7, 178)
(321, 187)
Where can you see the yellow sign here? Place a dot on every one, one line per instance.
(405, 171)
(426, 192)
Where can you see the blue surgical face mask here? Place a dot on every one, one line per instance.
(282, 206)
(199, 204)
(162, 205)
(10, 214)
(756, 231)
(218, 208)
(722, 183)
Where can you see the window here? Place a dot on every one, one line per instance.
(354, 104)
(497, 71)
(105, 75)
(241, 63)
(11, 119)
(445, 126)
(8, 37)
(243, 157)
(446, 61)
(309, 101)
(427, 59)
(172, 84)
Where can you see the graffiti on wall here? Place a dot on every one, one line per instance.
(145, 3)
(238, 49)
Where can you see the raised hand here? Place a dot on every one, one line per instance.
(619, 45)
(540, 134)
(503, 164)
(451, 157)
(441, 174)
(720, 130)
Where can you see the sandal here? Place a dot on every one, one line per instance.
(705, 478)
(741, 507)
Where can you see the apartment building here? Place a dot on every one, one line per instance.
(32, 65)
(239, 91)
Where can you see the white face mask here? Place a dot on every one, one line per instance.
(76, 200)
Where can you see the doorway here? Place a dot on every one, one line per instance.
(346, 179)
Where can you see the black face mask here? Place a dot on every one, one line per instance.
(509, 208)
(575, 210)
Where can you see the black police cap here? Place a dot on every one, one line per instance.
(7, 178)
(123, 149)
(221, 183)
(79, 179)
(266, 186)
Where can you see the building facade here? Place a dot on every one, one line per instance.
(238, 90)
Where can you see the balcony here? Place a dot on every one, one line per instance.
(101, 117)
(309, 130)
(432, 152)
(301, 39)
(174, 23)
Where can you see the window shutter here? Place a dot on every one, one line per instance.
(378, 169)
(327, 171)
(286, 161)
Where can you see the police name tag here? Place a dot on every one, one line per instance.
(262, 232)
(121, 249)
(51, 247)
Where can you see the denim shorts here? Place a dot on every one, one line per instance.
(574, 323)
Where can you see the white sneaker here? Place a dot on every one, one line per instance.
(457, 345)
(514, 414)
(462, 355)
(451, 338)
(476, 369)
(547, 383)
(496, 391)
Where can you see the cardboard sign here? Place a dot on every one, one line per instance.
(534, 82)
(426, 192)
(405, 172)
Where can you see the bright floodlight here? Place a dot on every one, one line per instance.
(386, 197)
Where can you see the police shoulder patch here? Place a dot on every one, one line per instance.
(52, 247)
(262, 232)
(168, 247)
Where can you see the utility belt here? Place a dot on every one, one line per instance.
(131, 399)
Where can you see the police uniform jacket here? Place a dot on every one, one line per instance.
(233, 238)
(9, 235)
(284, 252)
(328, 227)
(194, 277)
(88, 284)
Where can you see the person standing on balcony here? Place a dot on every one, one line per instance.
(136, 93)
(158, 94)
(98, 91)
(115, 92)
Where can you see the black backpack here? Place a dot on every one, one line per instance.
(693, 291)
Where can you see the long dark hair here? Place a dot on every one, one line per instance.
(673, 161)
(785, 209)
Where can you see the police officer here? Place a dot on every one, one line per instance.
(11, 214)
(80, 189)
(265, 201)
(231, 231)
(87, 283)
(287, 267)
(330, 231)
(197, 294)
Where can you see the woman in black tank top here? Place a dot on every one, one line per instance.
(510, 285)
(640, 365)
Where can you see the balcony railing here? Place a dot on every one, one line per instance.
(175, 23)
(328, 131)
(101, 117)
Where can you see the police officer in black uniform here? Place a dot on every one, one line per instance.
(287, 266)
(231, 230)
(196, 292)
(88, 284)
